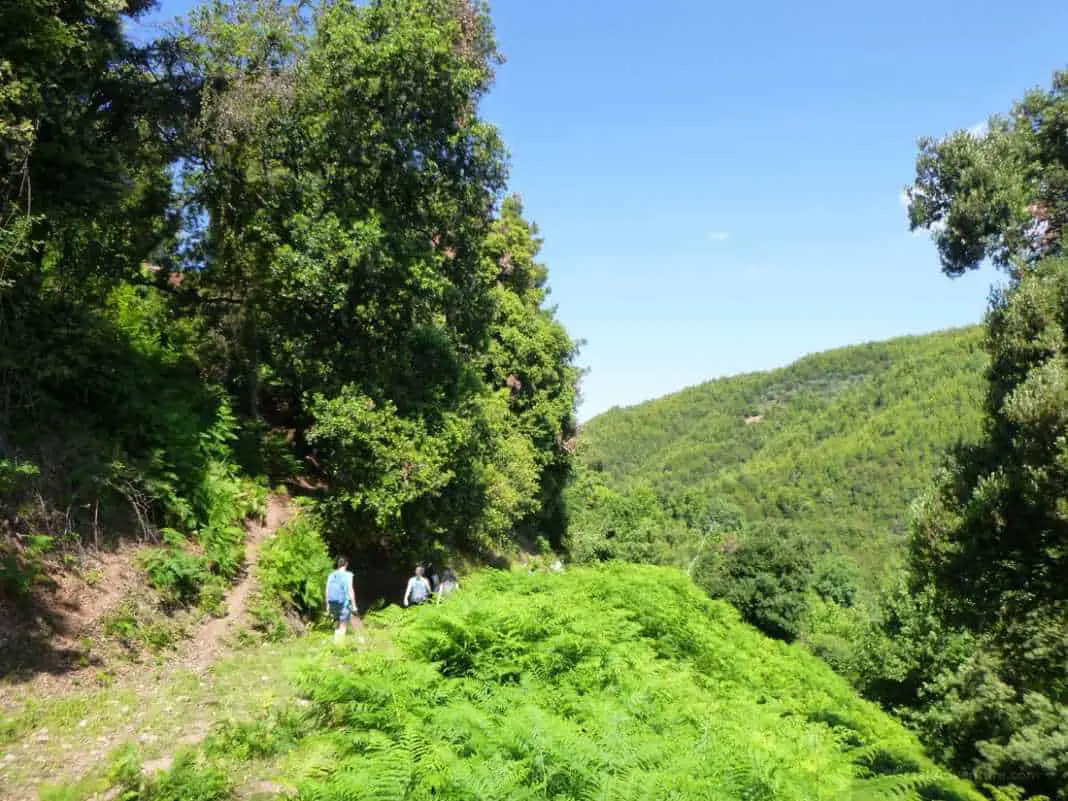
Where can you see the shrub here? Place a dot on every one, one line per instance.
(19, 574)
(224, 548)
(256, 739)
(766, 577)
(136, 624)
(620, 682)
(212, 597)
(293, 566)
(177, 574)
(187, 780)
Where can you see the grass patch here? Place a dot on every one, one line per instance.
(146, 715)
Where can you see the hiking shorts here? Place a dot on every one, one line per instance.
(341, 612)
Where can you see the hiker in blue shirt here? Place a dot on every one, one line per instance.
(341, 597)
(418, 589)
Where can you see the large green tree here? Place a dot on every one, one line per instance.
(1000, 195)
(994, 535)
(366, 285)
(87, 124)
(991, 539)
(297, 208)
(530, 371)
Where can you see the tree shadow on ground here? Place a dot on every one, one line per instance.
(103, 423)
(28, 642)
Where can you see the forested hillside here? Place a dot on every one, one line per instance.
(931, 472)
(837, 445)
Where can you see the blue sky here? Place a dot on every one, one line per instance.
(718, 185)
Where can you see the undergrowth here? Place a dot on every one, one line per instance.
(290, 572)
(196, 569)
(137, 623)
(620, 682)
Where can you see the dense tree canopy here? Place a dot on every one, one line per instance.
(990, 541)
(284, 230)
(1001, 195)
(993, 536)
(836, 445)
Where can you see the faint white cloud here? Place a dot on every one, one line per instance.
(756, 272)
(980, 129)
(718, 236)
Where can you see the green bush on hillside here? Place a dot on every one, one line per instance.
(617, 682)
(766, 577)
(294, 564)
(175, 573)
(291, 574)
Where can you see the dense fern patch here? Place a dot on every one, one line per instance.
(617, 682)
(614, 682)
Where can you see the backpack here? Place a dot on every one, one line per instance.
(337, 588)
(419, 592)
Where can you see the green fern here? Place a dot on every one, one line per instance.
(616, 683)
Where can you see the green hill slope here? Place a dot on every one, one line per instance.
(838, 443)
(620, 682)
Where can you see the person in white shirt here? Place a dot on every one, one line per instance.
(418, 589)
(449, 583)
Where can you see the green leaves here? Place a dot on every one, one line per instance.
(293, 564)
(765, 577)
(380, 461)
(622, 682)
(991, 540)
(999, 195)
(351, 257)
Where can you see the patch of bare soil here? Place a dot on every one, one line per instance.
(50, 635)
(55, 646)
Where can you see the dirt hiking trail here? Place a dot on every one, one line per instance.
(160, 703)
(212, 638)
(208, 641)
